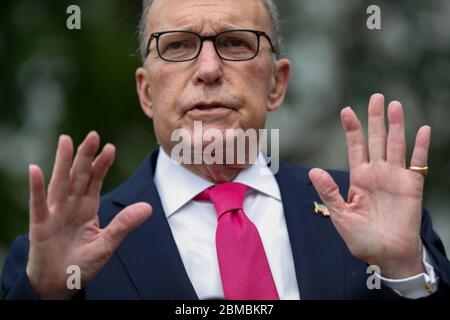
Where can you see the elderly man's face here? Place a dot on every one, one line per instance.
(245, 90)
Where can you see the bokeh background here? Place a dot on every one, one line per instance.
(54, 80)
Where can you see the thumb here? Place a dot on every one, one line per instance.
(126, 221)
(327, 189)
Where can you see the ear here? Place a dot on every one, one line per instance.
(143, 91)
(278, 84)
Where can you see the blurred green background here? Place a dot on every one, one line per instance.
(54, 80)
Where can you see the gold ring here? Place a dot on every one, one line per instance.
(422, 170)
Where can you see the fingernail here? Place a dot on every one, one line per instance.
(395, 103)
(109, 145)
(378, 94)
(344, 111)
(30, 167)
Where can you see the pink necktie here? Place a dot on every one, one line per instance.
(243, 264)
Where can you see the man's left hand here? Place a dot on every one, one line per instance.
(380, 221)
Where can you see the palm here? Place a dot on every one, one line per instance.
(64, 226)
(61, 236)
(380, 221)
(384, 208)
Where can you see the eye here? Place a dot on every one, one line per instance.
(237, 42)
(177, 42)
(233, 42)
(174, 45)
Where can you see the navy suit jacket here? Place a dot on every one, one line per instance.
(147, 264)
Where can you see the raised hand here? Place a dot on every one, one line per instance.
(64, 226)
(380, 221)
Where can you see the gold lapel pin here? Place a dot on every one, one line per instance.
(320, 208)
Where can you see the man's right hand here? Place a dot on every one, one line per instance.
(64, 225)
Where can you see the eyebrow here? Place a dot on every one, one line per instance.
(192, 28)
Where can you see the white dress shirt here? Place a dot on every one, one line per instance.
(194, 223)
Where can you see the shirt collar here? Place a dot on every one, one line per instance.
(177, 185)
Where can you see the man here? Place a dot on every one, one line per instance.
(225, 230)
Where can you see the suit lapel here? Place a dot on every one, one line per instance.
(316, 246)
(150, 253)
(153, 262)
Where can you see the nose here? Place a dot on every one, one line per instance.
(208, 65)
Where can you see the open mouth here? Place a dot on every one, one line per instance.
(212, 106)
(207, 107)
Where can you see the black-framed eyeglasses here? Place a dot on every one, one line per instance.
(231, 45)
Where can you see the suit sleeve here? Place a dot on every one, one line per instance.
(436, 250)
(14, 279)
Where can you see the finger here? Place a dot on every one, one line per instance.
(377, 128)
(327, 190)
(356, 146)
(420, 153)
(126, 221)
(100, 168)
(38, 201)
(396, 144)
(59, 182)
(82, 165)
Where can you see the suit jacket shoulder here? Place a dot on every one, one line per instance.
(147, 264)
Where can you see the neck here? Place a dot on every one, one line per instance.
(220, 172)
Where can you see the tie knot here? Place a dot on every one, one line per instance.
(226, 196)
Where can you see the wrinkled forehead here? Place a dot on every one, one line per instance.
(199, 15)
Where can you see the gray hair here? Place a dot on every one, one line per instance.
(271, 8)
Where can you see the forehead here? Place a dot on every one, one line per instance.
(219, 15)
